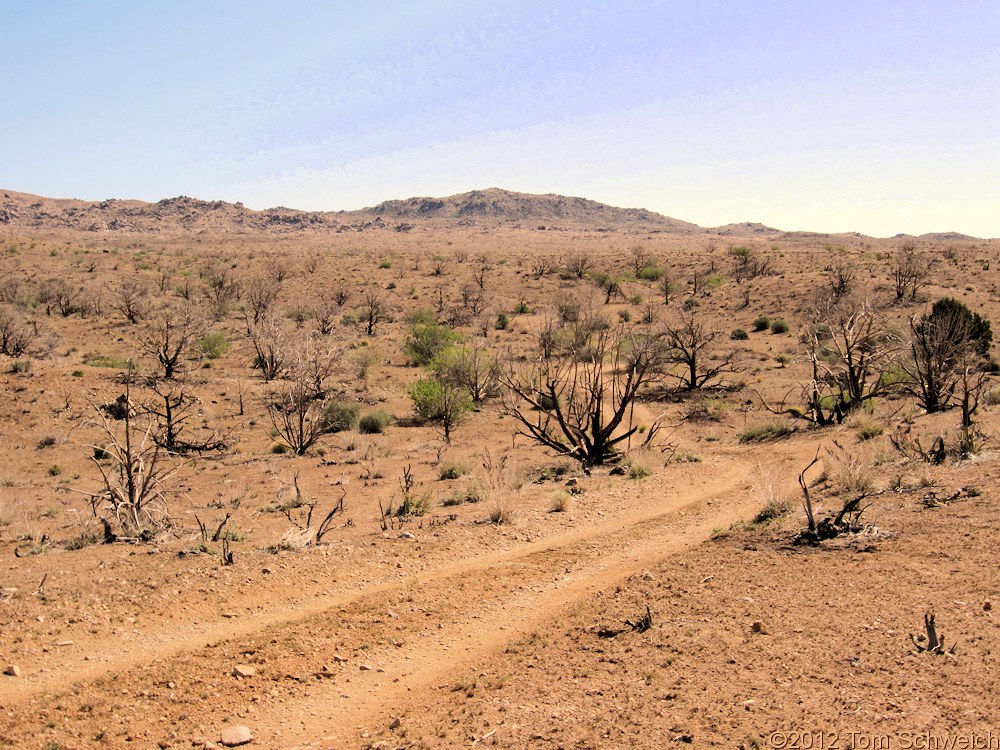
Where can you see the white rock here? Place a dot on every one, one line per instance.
(244, 670)
(235, 735)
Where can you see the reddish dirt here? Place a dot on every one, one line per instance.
(448, 630)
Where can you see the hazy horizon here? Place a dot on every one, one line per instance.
(828, 117)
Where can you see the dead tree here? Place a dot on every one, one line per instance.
(134, 480)
(688, 342)
(910, 271)
(269, 346)
(168, 336)
(15, 336)
(260, 295)
(297, 417)
(582, 407)
(172, 409)
(852, 351)
(132, 300)
(373, 310)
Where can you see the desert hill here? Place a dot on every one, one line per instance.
(486, 208)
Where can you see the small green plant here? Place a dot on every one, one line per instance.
(214, 345)
(761, 323)
(522, 308)
(426, 338)
(86, 539)
(762, 432)
(414, 504)
(280, 449)
(374, 423)
(779, 326)
(21, 366)
(739, 334)
(341, 416)
(385, 263)
(650, 273)
(54, 470)
(451, 471)
(502, 321)
(772, 510)
(866, 427)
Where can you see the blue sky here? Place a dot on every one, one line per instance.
(879, 117)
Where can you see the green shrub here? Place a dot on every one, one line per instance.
(739, 334)
(774, 509)
(374, 423)
(340, 416)
(426, 338)
(440, 401)
(214, 345)
(762, 432)
(450, 471)
(779, 326)
(761, 323)
(502, 321)
(651, 273)
(414, 505)
(522, 308)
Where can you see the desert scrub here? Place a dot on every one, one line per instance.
(561, 502)
(739, 334)
(760, 433)
(341, 416)
(374, 423)
(775, 508)
(866, 427)
(414, 504)
(761, 323)
(779, 326)
(637, 464)
(213, 345)
(451, 471)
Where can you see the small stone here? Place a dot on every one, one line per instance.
(987, 606)
(364, 668)
(394, 724)
(12, 671)
(406, 535)
(572, 482)
(339, 659)
(235, 735)
(758, 627)
(243, 671)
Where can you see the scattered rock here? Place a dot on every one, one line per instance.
(987, 606)
(12, 671)
(243, 671)
(406, 535)
(364, 668)
(758, 627)
(339, 659)
(235, 736)
(394, 724)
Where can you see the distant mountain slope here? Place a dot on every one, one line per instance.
(504, 206)
(487, 208)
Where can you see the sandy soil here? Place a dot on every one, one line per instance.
(447, 630)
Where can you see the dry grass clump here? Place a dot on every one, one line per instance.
(768, 488)
(763, 432)
(638, 463)
(866, 426)
(561, 502)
